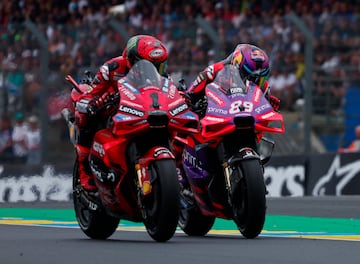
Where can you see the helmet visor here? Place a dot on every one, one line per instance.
(259, 76)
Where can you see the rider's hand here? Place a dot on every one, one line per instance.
(181, 86)
(99, 102)
(93, 106)
(189, 98)
(197, 103)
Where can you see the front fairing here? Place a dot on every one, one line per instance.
(233, 104)
(149, 100)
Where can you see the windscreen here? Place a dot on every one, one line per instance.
(229, 81)
(143, 73)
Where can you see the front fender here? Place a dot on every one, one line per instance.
(155, 153)
(244, 153)
(142, 171)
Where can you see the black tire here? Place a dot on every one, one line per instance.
(249, 198)
(192, 221)
(161, 206)
(95, 224)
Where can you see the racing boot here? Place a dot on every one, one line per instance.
(87, 180)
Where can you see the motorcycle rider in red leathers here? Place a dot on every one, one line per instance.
(253, 65)
(105, 84)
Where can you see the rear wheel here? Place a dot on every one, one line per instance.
(191, 220)
(249, 197)
(93, 221)
(160, 207)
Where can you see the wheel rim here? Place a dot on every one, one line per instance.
(183, 212)
(239, 200)
(151, 208)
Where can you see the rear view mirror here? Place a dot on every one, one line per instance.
(266, 148)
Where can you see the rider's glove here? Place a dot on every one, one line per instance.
(88, 78)
(191, 98)
(181, 86)
(93, 106)
(197, 103)
(99, 102)
(274, 101)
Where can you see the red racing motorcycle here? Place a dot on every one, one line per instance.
(131, 159)
(223, 164)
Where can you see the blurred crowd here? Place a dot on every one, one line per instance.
(80, 37)
(20, 139)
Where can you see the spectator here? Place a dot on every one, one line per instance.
(355, 145)
(73, 25)
(277, 82)
(14, 83)
(19, 136)
(292, 89)
(33, 139)
(6, 144)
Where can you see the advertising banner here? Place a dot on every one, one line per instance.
(296, 175)
(333, 174)
(35, 183)
(285, 176)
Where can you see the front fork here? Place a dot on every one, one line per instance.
(144, 179)
(266, 148)
(232, 177)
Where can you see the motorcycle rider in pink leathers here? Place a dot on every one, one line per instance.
(253, 65)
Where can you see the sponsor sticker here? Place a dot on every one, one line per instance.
(215, 98)
(156, 53)
(97, 147)
(130, 110)
(158, 152)
(181, 108)
(127, 93)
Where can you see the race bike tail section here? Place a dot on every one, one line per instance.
(223, 164)
(131, 158)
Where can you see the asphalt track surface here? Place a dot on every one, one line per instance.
(38, 244)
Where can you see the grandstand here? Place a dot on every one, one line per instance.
(42, 41)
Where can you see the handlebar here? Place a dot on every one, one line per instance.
(73, 83)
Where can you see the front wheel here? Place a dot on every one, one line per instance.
(160, 207)
(96, 224)
(248, 197)
(191, 220)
